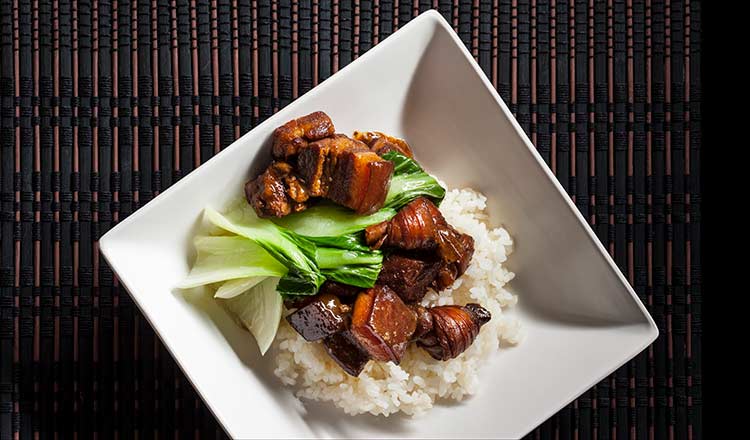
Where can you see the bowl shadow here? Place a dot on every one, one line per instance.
(323, 417)
(438, 138)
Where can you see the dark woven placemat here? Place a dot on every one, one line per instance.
(104, 104)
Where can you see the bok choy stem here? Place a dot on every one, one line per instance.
(294, 252)
(331, 258)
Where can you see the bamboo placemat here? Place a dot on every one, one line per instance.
(105, 104)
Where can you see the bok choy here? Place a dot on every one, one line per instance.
(232, 288)
(294, 252)
(363, 275)
(259, 310)
(331, 258)
(410, 181)
(309, 261)
(327, 219)
(229, 257)
(351, 241)
(356, 268)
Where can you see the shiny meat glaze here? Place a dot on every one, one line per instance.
(450, 270)
(313, 161)
(267, 193)
(415, 227)
(316, 162)
(381, 143)
(344, 349)
(420, 226)
(382, 324)
(424, 321)
(357, 174)
(381, 327)
(320, 318)
(378, 185)
(454, 328)
(290, 137)
(409, 276)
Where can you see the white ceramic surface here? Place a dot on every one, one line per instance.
(582, 318)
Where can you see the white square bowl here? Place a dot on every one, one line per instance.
(582, 318)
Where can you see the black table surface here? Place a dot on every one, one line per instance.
(105, 104)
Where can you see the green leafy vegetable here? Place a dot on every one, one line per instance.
(331, 258)
(406, 188)
(229, 257)
(363, 275)
(410, 181)
(402, 164)
(352, 242)
(330, 220)
(294, 252)
(259, 310)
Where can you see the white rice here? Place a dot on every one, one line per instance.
(413, 386)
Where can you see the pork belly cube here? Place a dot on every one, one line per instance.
(416, 227)
(344, 349)
(382, 143)
(382, 324)
(408, 276)
(316, 125)
(345, 292)
(320, 318)
(360, 176)
(311, 166)
(297, 133)
(267, 194)
(421, 226)
(317, 161)
(377, 189)
(350, 175)
(463, 247)
(341, 142)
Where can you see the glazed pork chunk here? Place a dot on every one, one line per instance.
(382, 324)
(321, 317)
(345, 171)
(381, 143)
(454, 329)
(311, 160)
(293, 135)
(270, 194)
(409, 275)
(419, 226)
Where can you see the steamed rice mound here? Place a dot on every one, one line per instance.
(413, 386)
